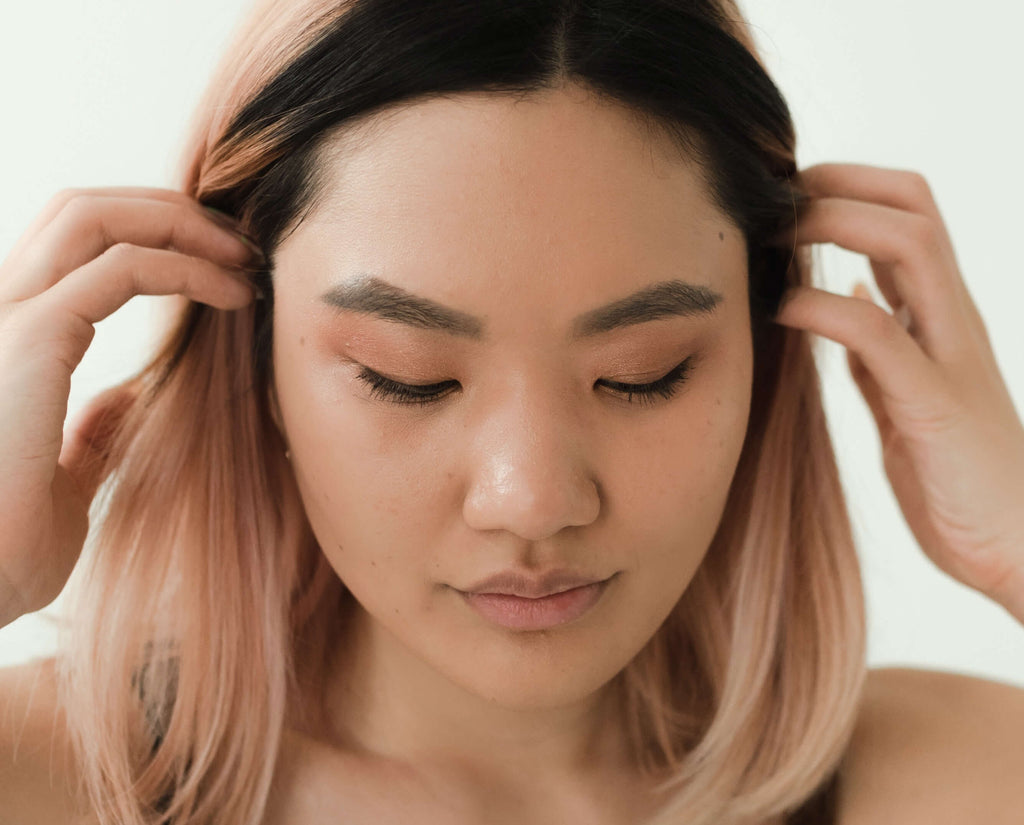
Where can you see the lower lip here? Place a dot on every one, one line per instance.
(518, 613)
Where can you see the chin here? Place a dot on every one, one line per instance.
(537, 670)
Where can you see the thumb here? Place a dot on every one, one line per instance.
(865, 382)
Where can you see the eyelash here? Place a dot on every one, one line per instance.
(397, 393)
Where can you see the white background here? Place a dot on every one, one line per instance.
(98, 94)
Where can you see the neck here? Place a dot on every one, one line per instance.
(383, 700)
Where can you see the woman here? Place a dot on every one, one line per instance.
(513, 498)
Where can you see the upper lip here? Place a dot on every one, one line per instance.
(524, 585)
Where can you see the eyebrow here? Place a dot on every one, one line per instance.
(370, 295)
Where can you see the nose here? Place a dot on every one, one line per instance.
(529, 474)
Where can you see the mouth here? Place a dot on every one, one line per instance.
(526, 613)
(532, 586)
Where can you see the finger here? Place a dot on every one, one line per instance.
(867, 385)
(911, 388)
(66, 312)
(871, 393)
(899, 310)
(899, 189)
(61, 199)
(89, 225)
(923, 277)
(885, 280)
(895, 188)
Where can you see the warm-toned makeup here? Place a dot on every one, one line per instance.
(513, 341)
(374, 298)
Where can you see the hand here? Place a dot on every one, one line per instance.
(86, 255)
(952, 442)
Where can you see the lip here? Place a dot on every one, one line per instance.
(516, 583)
(524, 613)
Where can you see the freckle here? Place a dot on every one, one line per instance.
(302, 340)
(373, 564)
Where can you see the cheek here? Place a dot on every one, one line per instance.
(676, 480)
(699, 438)
(370, 488)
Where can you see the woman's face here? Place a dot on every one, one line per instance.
(502, 250)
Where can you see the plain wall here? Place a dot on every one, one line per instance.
(99, 94)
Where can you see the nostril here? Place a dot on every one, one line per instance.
(534, 501)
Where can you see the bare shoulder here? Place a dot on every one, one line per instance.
(36, 773)
(935, 747)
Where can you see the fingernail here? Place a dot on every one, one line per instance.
(253, 247)
(229, 223)
(223, 218)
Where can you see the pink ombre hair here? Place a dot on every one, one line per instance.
(202, 610)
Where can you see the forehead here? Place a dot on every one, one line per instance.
(530, 192)
(546, 149)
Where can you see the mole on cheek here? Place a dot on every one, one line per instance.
(721, 236)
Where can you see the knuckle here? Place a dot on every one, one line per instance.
(74, 202)
(124, 260)
(121, 251)
(918, 184)
(923, 232)
(76, 209)
(64, 196)
(42, 326)
(181, 228)
(83, 211)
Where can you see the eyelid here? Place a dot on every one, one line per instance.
(403, 394)
(666, 386)
(437, 385)
(400, 393)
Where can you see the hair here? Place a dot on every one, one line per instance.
(202, 610)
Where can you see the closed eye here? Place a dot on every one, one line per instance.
(395, 392)
(665, 387)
